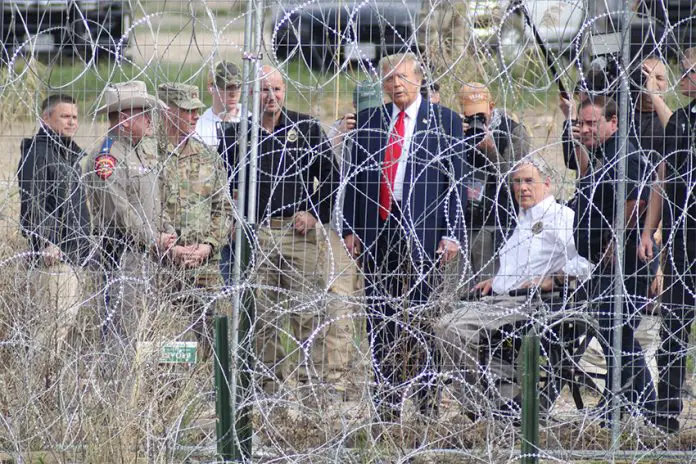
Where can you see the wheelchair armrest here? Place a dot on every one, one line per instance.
(521, 292)
(527, 292)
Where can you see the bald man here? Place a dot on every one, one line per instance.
(295, 186)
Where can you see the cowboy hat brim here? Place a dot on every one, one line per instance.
(136, 102)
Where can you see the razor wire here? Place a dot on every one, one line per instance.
(89, 346)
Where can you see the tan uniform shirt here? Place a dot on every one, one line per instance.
(195, 194)
(125, 192)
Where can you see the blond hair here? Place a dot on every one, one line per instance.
(394, 60)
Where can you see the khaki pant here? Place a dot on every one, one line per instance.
(295, 309)
(346, 284)
(57, 293)
(149, 300)
(647, 334)
(465, 333)
(133, 302)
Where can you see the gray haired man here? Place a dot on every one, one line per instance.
(540, 253)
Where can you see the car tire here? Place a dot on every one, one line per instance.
(282, 45)
(102, 45)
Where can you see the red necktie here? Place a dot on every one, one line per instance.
(389, 166)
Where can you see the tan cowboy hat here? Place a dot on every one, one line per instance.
(126, 96)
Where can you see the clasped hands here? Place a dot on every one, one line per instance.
(187, 256)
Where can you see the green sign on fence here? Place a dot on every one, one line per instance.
(172, 352)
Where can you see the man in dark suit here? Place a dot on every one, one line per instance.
(404, 219)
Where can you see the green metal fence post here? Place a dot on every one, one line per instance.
(222, 390)
(245, 366)
(530, 398)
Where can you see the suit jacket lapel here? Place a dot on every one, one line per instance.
(418, 139)
(385, 124)
(377, 141)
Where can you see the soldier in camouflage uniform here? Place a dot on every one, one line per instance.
(135, 232)
(196, 198)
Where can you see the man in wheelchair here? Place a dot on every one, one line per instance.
(540, 255)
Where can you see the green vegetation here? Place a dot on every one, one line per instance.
(86, 84)
(308, 90)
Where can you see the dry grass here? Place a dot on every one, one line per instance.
(85, 408)
(22, 92)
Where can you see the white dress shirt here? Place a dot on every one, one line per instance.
(207, 126)
(541, 245)
(409, 128)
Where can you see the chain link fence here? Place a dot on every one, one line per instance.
(404, 231)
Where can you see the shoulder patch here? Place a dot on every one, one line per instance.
(106, 146)
(104, 166)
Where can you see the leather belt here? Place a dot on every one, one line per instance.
(281, 222)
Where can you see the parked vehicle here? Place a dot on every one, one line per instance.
(329, 31)
(84, 28)
(559, 24)
(656, 26)
(326, 31)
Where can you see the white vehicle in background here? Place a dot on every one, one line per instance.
(560, 24)
(567, 26)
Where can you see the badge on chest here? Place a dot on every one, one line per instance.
(537, 228)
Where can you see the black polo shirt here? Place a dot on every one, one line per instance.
(595, 202)
(291, 159)
(679, 206)
(648, 135)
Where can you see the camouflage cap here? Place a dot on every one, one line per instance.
(184, 96)
(227, 73)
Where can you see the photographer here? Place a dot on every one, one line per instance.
(495, 143)
(595, 237)
(594, 84)
(648, 86)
